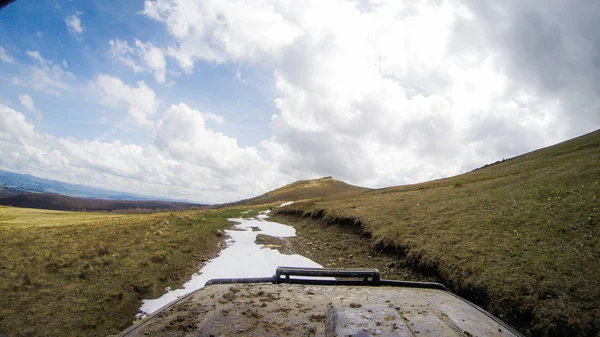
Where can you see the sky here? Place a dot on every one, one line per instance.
(215, 101)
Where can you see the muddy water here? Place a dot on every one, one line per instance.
(241, 258)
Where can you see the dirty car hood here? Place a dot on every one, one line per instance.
(321, 310)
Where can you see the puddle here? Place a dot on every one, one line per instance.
(241, 258)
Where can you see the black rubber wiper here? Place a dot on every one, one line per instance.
(325, 276)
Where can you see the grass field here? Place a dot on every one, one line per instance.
(520, 237)
(84, 274)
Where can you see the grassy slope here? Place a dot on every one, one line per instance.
(520, 237)
(306, 189)
(84, 274)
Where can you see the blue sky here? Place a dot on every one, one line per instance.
(40, 26)
(221, 100)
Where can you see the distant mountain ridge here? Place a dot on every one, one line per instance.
(29, 183)
(66, 203)
(9, 192)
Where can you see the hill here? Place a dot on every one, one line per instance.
(29, 183)
(305, 189)
(519, 237)
(66, 203)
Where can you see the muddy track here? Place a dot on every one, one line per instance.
(344, 243)
(342, 246)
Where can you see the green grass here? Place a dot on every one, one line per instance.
(85, 274)
(306, 189)
(519, 237)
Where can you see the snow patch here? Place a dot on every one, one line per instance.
(263, 214)
(241, 258)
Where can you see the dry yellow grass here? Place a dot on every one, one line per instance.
(84, 274)
(13, 217)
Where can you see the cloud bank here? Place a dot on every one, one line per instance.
(375, 93)
(398, 92)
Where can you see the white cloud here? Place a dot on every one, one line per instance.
(34, 54)
(145, 57)
(4, 56)
(14, 126)
(215, 118)
(45, 75)
(153, 58)
(189, 160)
(74, 24)
(221, 31)
(141, 101)
(184, 135)
(238, 78)
(121, 52)
(29, 104)
(376, 96)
